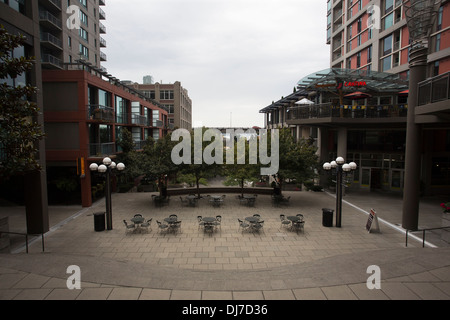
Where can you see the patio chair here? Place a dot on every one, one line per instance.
(299, 225)
(218, 222)
(201, 223)
(147, 224)
(300, 216)
(162, 226)
(128, 227)
(258, 226)
(173, 216)
(257, 215)
(184, 202)
(243, 225)
(284, 222)
(175, 227)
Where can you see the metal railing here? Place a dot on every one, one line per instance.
(423, 233)
(328, 110)
(434, 89)
(102, 149)
(99, 112)
(26, 238)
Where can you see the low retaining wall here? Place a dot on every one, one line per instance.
(221, 190)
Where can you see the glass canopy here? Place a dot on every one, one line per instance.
(334, 78)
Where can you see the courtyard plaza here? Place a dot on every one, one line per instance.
(274, 263)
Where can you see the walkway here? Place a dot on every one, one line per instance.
(319, 263)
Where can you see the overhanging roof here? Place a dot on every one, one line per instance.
(375, 81)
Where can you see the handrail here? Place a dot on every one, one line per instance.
(423, 234)
(26, 238)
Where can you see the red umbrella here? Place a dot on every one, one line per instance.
(358, 95)
(406, 92)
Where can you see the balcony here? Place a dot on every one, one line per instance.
(101, 149)
(434, 89)
(101, 3)
(102, 28)
(102, 43)
(321, 113)
(102, 56)
(53, 5)
(100, 113)
(51, 62)
(50, 41)
(50, 21)
(139, 120)
(101, 14)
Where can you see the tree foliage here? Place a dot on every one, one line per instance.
(19, 132)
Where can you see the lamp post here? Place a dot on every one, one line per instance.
(420, 16)
(107, 167)
(341, 169)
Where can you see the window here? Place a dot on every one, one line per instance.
(386, 63)
(358, 60)
(166, 95)
(18, 5)
(84, 51)
(83, 34)
(83, 18)
(438, 43)
(84, 3)
(388, 6)
(388, 21)
(387, 45)
(121, 110)
(369, 54)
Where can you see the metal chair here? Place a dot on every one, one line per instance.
(162, 226)
(284, 222)
(184, 202)
(243, 225)
(147, 224)
(128, 227)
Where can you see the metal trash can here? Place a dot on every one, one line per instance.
(327, 217)
(99, 221)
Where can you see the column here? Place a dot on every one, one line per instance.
(411, 192)
(342, 143)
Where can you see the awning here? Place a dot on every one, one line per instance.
(358, 95)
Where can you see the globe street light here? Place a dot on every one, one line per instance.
(420, 17)
(341, 169)
(107, 166)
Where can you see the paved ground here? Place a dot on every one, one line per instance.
(319, 263)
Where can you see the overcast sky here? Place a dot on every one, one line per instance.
(233, 56)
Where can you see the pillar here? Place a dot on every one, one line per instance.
(411, 191)
(342, 143)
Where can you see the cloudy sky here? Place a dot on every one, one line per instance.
(233, 56)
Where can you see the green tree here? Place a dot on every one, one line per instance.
(241, 170)
(131, 158)
(157, 163)
(298, 160)
(19, 132)
(200, 171)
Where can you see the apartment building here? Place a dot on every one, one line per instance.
(20, 17)
(174, 98)
(71, 30)
(358, 107)
(86, 112)
(373, 35)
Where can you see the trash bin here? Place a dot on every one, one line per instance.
(327, 217)
(99, 221)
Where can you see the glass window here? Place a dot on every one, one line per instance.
(388, 6)
(389, 21)
(387, 45)
(121, 110)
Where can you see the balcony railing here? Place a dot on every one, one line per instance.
(51, 60)
(328, 110)
(138, 119)
(434, 89)
(101, 149)
(48, 37)
(101, 14)
(51, 20)
(102, 27)
(100, 113)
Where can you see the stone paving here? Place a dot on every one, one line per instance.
(276, 263)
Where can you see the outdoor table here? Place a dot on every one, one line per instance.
(294, 219)
(250, 199)
(192, 200)
(171, 221)
(209, 223)
(137, 222)
(216, 200)
(252, 219)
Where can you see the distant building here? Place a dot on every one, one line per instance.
(173, 97)
(148, 80)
